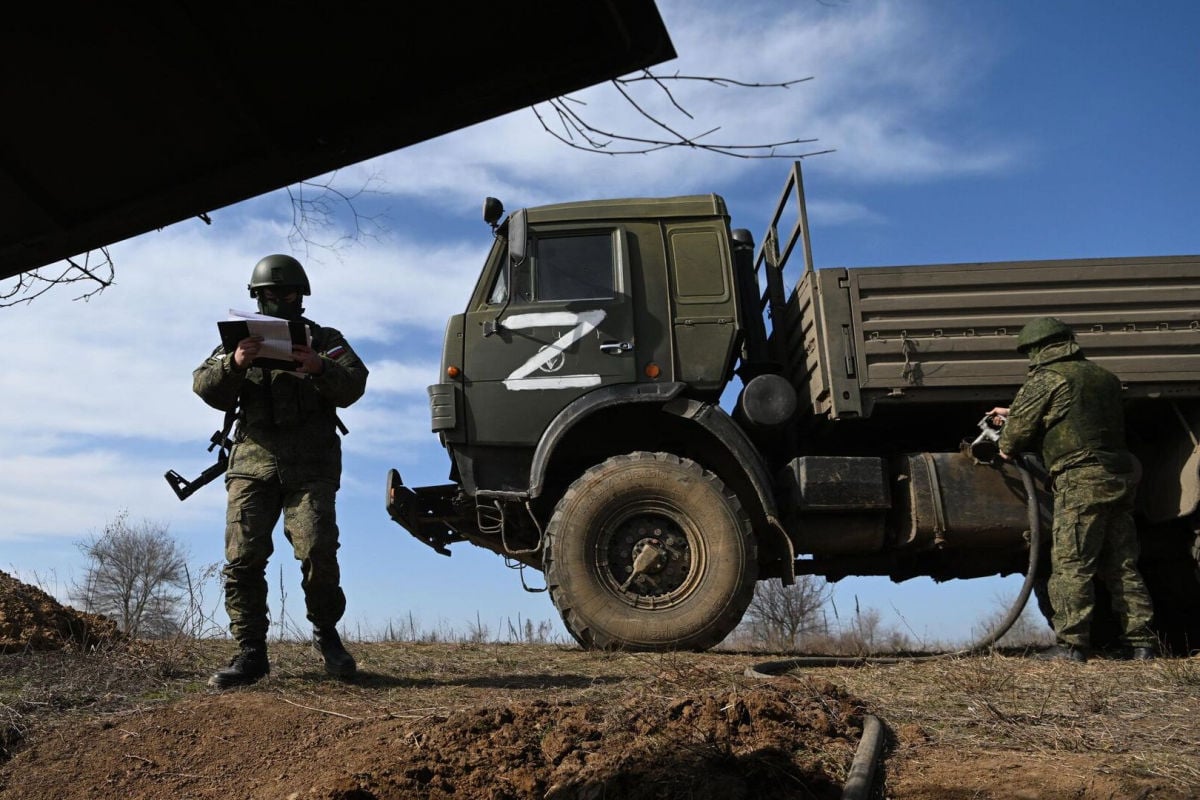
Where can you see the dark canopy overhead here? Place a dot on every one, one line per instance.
(121, 118)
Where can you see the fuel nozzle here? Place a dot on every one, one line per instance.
(986, 447)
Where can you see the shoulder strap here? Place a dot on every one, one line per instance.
(222, 439)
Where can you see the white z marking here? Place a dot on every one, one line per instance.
(584, 323)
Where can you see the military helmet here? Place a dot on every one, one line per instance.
(278, 270)
(1042, 330)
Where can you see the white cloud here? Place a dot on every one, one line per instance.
(76, 493)
(885, 81)
(395, 377)
(106, 381)
(836, 212)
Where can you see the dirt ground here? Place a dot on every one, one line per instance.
(498, 721)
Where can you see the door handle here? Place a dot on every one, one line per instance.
(616, 348)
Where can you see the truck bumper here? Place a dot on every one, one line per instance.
(432, 514)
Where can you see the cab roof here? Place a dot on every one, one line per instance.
(695, 205)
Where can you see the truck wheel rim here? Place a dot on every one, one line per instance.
(659, 540)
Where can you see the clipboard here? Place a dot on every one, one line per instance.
(278, 337)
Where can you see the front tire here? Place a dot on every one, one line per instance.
(650, 552)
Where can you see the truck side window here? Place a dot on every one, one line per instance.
(578, 267)
(521, 292)
(499, 291)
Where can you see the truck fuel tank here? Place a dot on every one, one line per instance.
(855, 505)
(951, 500)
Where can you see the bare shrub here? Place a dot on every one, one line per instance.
(781, 618)
(1029, 630)
(136, 575)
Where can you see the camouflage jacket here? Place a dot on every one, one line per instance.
(286, 424)
(1070, 410)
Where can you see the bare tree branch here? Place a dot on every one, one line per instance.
(575, 130)
(318, 207)
(94, 269)
(321, 207)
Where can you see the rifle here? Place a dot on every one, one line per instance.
(184, 488)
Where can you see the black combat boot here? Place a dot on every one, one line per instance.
(1134, 653)
(337, 661)
(1142, 653)
(1064, 652)
(248, 666)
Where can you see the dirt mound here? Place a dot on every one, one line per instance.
(760, 743)
(764, 742)
(30, 619)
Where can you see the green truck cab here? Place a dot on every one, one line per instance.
(580, 404)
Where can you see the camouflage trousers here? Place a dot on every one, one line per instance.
(1094, 537)
(310, 525)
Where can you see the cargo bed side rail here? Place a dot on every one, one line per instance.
(811, 331)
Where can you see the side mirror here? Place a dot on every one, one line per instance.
(517, 237)
(517, 244)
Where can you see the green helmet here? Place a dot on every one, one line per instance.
(278, 270)
(1042, 330)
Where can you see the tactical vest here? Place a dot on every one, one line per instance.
(1093, 430)
(273, 399)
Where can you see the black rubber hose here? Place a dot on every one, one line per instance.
(862, 769)
(769, 669)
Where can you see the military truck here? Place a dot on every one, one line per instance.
(581, 398)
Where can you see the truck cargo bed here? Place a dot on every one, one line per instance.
(851, 338)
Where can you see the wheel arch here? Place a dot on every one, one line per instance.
(653, 417)
(571, 419)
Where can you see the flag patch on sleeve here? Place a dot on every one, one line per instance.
(337, 352)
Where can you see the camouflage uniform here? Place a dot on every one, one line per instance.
(1070, 408)
(286, 458)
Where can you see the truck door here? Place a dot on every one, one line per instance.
(564, 328)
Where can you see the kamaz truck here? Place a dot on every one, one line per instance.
(634, 404)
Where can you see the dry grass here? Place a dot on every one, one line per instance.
(1135, 718)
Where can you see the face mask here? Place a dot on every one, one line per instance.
(280, 308)
(281, 301)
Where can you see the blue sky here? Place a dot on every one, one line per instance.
(961, 131)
